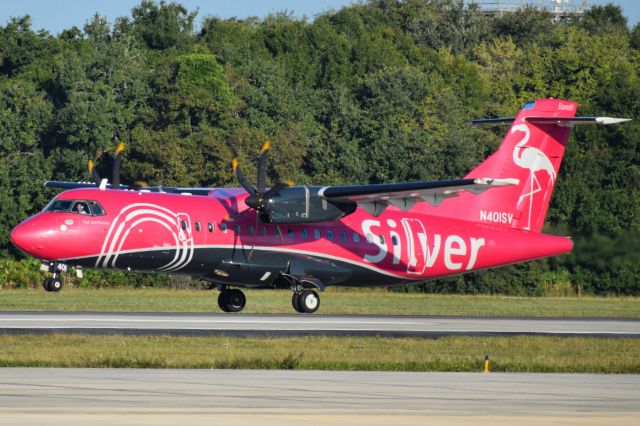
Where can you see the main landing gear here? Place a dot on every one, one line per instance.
(231, 300)
(305, 301)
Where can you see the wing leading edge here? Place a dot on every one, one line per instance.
(376, 198)
(166, 189)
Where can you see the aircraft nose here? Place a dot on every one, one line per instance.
(25, 237)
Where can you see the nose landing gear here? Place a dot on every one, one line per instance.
(54, 284)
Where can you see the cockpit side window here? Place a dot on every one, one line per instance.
(96, 208)
(81, 207)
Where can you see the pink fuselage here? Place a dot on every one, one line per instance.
(219, 239)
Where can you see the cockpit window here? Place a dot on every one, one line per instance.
(59, 206)
(80, 207)
(96, 208)
(89, 208)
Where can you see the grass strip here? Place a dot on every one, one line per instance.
(334, 301)
(507, 354)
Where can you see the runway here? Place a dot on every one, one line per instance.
(296, 325)
(30, 396)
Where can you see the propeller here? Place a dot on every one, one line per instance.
(115, 168)
(259, 195)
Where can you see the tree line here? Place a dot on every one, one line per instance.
(380, 91)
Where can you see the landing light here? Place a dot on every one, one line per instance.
(221, 273)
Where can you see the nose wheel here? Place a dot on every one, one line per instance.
(52, 284)
(232, 300)
(306, 301)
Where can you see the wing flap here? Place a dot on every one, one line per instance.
(376, 198)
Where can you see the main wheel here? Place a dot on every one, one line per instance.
(295, 302)
(232, 300)
(308, 301)
(46, 284)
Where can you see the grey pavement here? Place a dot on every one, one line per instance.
(129, 396)
(266, 324)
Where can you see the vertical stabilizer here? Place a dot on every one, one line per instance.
(531, 152)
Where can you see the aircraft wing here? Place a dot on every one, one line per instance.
(167, 189)
(376, 198)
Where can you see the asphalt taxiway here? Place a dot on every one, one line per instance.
(292, 325)
(30, 396)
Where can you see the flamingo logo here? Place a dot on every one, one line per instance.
(534, 160)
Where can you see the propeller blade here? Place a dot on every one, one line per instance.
(274, 191)
(243, 181)
(93, 172)
(115, 172)
(262, 166)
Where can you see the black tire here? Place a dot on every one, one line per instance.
(308, 301)
(232, 300)
(222, 300)
(55, 285)
(295, 302)
(46, 284)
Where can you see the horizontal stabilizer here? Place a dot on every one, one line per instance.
(560, 121)
(573, 121)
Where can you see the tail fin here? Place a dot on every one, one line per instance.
(530, 152)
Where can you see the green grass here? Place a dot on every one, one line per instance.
(334, 301)
(515, 354)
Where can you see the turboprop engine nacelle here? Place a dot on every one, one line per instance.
(302, 204)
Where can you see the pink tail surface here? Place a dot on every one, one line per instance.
(531, 152)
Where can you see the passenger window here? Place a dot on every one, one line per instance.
(369, 238)
(251, 230)
(381, 239)
(210, 226)
(183, 224)
(356, 238)
(263, 231)
(343, 236)
(223, 228)
(394, 240)
(316, 234)
(290, 234)
(330, 235)
(197, 226)
(304, 234)
(237, 229)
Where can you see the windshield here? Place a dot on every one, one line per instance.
(86, 207)
(58, 206)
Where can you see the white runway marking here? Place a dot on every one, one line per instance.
(177, 323)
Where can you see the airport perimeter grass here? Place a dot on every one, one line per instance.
(507, 354)
(333, 301)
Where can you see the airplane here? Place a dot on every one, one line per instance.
(306, 238)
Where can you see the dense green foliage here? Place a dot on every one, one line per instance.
(375, 92)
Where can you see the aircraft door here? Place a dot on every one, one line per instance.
(416, 236)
